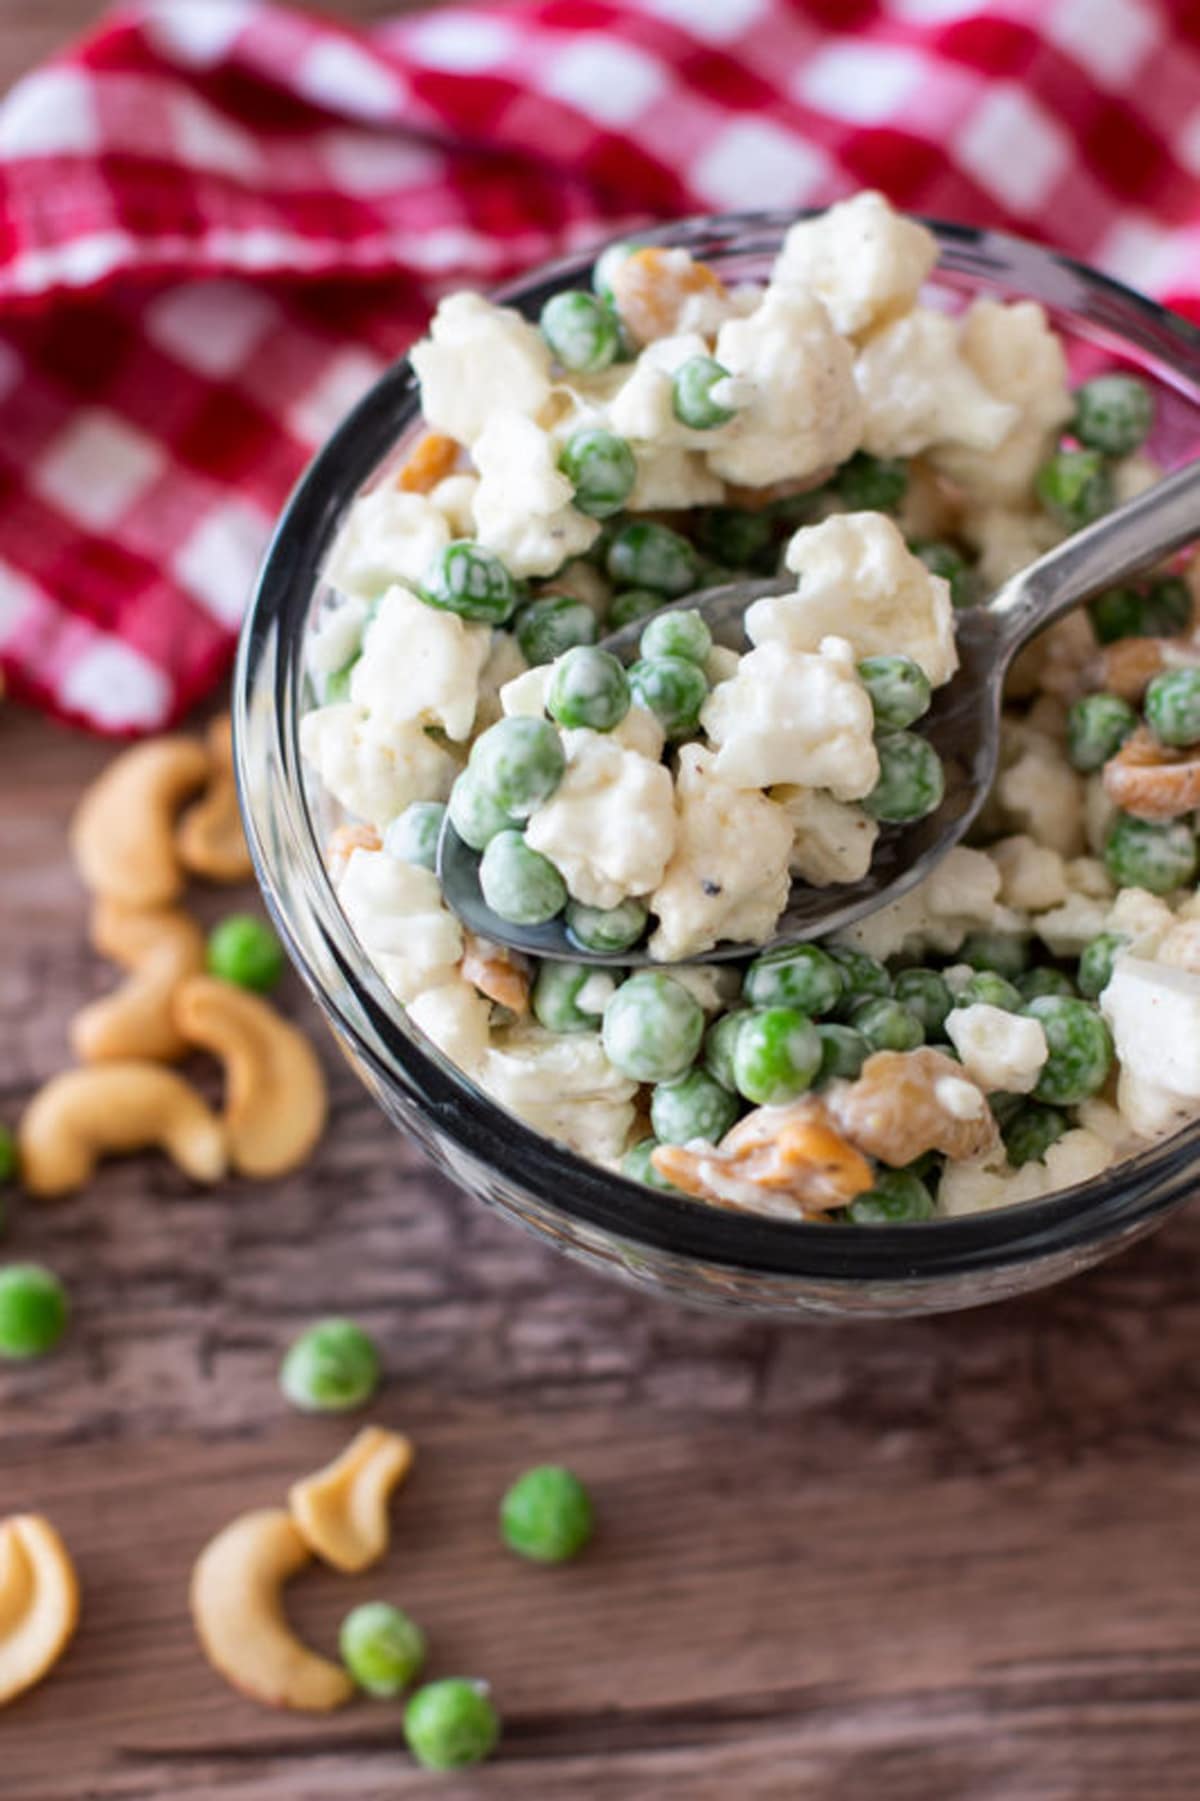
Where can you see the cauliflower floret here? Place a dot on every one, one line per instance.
(832, 842)
(505, 662)
(1042, 797)
(1020, 359)
(918, 391)
(525, 695)
(1134, 475)
(337, 637)
(1153, 1010)
(419, 662)
(795, 716)
(609, 826)
(643, 409)
(523, 507)
(479, 360)
(455, 1017)
(863, 260)
(1008, 540)
(1078, 1156)
(728, 877)
(388, 537)
(805, 414)
(582, 582)
(859, 580)
(1142, 918)
(671, 478)
(396, 910)
(1067, 931)
(1180, 947)
(454, 497)
(562, 1085)
(1001, 1051)
(961, 896)
(1032, 877)
(715, 985)
(374, 775)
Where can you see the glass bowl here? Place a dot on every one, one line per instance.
(671, 1245)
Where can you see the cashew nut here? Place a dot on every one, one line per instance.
(39, 1602)
(209, 839)
(342, 1510)
(238, 1613)
(82, 1114)
(160, 947)
(122, 834)
(275, 1101)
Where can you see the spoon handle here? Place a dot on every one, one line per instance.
(1162, 520)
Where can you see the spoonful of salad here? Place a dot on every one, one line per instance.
(937, 750)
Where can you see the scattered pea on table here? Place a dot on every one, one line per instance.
(333, 1367)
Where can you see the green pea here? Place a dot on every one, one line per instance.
(556, 623)
(10, 1161)
(636, 1166)
(474, 815)
(735, 537)
(1140, 853)
(899, 690)
(796, 975)
(843, 1053)
(581, 330)
(644, 554)
(681, 633)
(607, 264)
(924, 992)
(1074, 487)
(1081, 1050)
(1172, 707)
(518, 883)
(897, 1198)
(589, 687)
(245, 951)
(1045, 980)
(333, 1367)
(869, 484)
(652, 1028)
(942, 559)
(674, 688)
(467, 579)
(608, 930)
(634, 603)
(547, 1515)
(1097, 727)
(557, 989)
(887, 1025)
(693, 1106)
(601, 468)
(911, 781)
(33, 1310)
(381, 1647)
(863, 975)
(518, 763)
(1003, 952)
(697, 399)
(1096, 963)
(719, 1042)
(1030, 1132)
(1113, 414)
(987, 988)
(1121, 613)
(451, 1724)
(1169, 606)
(413, 835)
(776, 1056)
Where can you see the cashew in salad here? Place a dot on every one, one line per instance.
(1151, 781)
(653, 286)
(123, 832)
(784, 1160)
(159, 947)
(904, 1103)
(496, 973)
(209, 837)
(342, 1510)
(39, 1602)
(84, 1114)
(432, 458)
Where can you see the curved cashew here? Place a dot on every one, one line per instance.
(497, 973)
(238, 1613)
(39, 1602)
(160, 947)
(122, 835)
(209, 838)
(341, 1510)
(1149, 780)
(82, 1114)
(275, 1100)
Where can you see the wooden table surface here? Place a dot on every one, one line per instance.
(918, 1562)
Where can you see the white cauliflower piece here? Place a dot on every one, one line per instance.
(419, 663)
(805, 414)
(643, 408)
(1142, 918)
(859, 580)
(1078, 1156)
(796, 717)
(1033, 878)
(337, 636)
(864, 260)
(580, 581)
(609, 826)
(564, 1086)
(918, 391)
(639, 731)
(1153, 1010)
(728, 876)
(1003, 1052)
(456, 1018)
(670, 478)
(387, 537)
(960, 896)
(374, 776)
(1134, 475)
(715, 985)
(524, 697)
(1016, 355)
(505, 662)
(1008, 539)
(1067, 931)
(1150, 1111)
(396, 911)
(832, 842)
(454, 498)
(1042, 797)
(523, 507)
(1180, 947)
(479, 360)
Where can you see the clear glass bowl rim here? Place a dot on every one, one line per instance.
(1111, 1206)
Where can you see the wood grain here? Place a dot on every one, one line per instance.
(921, 1562)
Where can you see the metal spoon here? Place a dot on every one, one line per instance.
(963, 724)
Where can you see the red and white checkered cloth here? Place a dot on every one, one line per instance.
(220, 219)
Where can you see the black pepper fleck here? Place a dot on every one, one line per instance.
(710, 887)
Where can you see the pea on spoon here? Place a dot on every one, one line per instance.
(963, 724)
